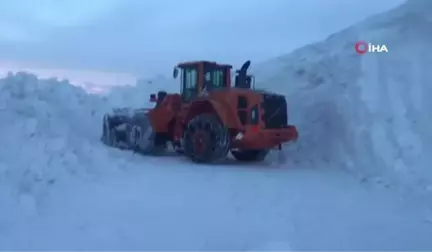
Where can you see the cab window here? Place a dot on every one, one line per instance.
(215, 78)
(189, 83)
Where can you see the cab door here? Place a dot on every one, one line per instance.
(215, 77)
(189, 85)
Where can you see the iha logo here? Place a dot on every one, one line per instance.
(362, 47)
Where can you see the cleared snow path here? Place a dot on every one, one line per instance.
(168, 204)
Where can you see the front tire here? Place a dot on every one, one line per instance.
(108, 132)
(145, 141)
(206, 139)
(250, 155)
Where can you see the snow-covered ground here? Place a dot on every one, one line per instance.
(155, 204)
(60, 189)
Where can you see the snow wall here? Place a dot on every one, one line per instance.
(49, 131)
(368, 114)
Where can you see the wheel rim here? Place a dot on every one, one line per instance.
(199, 141)
(206, 139)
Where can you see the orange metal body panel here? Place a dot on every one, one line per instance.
(265, 138)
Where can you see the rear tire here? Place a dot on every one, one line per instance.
(250, 155)
(206, 139)
(177, 147)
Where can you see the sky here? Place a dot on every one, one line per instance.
(140, 38)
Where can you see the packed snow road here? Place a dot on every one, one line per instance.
(170, 204)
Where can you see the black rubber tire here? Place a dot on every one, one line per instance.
(111, 137)
(206, 139)
(250, 155)
(179, 152)
(153, 146)
(158, 146)
(108, 133)
(177, 148)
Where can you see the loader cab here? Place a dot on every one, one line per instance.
(199, 78)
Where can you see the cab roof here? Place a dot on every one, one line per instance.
(193, 63)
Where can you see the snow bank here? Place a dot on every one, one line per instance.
(47, 132)
(50, 129)
(370, 113)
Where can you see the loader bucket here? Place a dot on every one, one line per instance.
(128, 130)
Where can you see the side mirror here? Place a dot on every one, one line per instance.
(153, 98)
(175, 72)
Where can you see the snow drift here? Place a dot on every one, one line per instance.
(49, 131)
(368, 113)
(138, 96)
